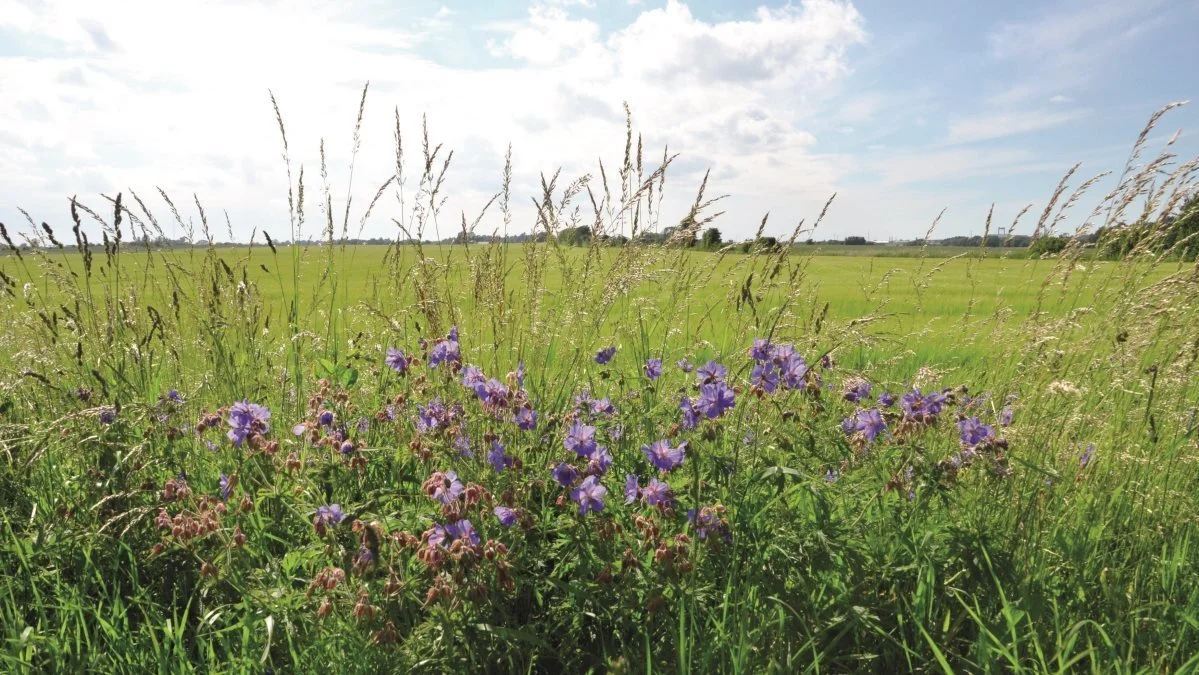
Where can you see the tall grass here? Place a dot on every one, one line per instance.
(844, 555)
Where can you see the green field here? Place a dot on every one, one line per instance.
(822, 549)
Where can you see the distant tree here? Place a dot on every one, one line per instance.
(575, 236)
(711, 238)
(855, 241)
(1049, 245)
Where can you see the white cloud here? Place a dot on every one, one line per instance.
(1060, 99)
(1000, 125)
(188, 110)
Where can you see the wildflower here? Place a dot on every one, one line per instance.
(857, 390)
(580, 439)
(108, 416)
(920, 407)
(589, 496)
(325, 418)
(498, 458)
(247, 419)
(690, 413)
(709, 521)
(173, 395)
(831, 476)
(565, 474)
(603, 407)
(868, 423)
(711, 372)
(615, 432)
(684, 365)
(326, 516)
(526, 419)
(974, 432)
(462, 445)
(760, 351)
(656, 492)
(520, 374)
(886, 399)
(601, 459)
(446, 351)
(632, 488)
(472, 377)
(396, 360)
(431, 417)
(364, 425)
(653, 368)
(764, 377)
(226, 487)
(794, 370)
(714, 399)
(1005, 416)
(463, 530)
(664, 457)
(505, 515)
(1087, 455)
(493, 393)
(605, 355)
(346, 447)
(444, 487)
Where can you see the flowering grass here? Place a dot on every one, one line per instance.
(540, 458)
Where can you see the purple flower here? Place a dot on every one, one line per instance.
(589, 496)
(364, 425)
(920, 407)
(461, 529)
(831, 476)
(857, 390)
(656, 492)
(664, 457)
(580, 439)
(886, 399)
(445, 351)
(327, 515)
(760, 351)
(690, 413)
(520, 373)
(565, 474)
(653, 368)
(493, 393)
(108, 416)
(1005, 416)
(247, 418)
(396, 360)
(711, 372)
(226, 487)
(707, 523)
(526, 419)
(448, 488)
(601, 459)
(605, 355)
(868, 423)
(714, 399)
(462, 445)
(684, 365)
(974, 432)
(505, 515)
(173, 395)
(472, 377)
(346, 447)
(1087, 455)
(794, 370)
(615, 432)
(325, 418)
(498, 458)
(632, 488)
(431, 417)
(603, 407)
(764, 377)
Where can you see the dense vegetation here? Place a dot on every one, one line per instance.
(542, 457)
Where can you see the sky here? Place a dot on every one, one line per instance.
(902, 109)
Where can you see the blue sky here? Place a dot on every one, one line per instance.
(901, 108)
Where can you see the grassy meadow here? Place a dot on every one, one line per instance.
(544, 458)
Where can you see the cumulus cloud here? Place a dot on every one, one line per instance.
(130, 104)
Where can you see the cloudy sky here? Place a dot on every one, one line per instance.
(901, 108)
